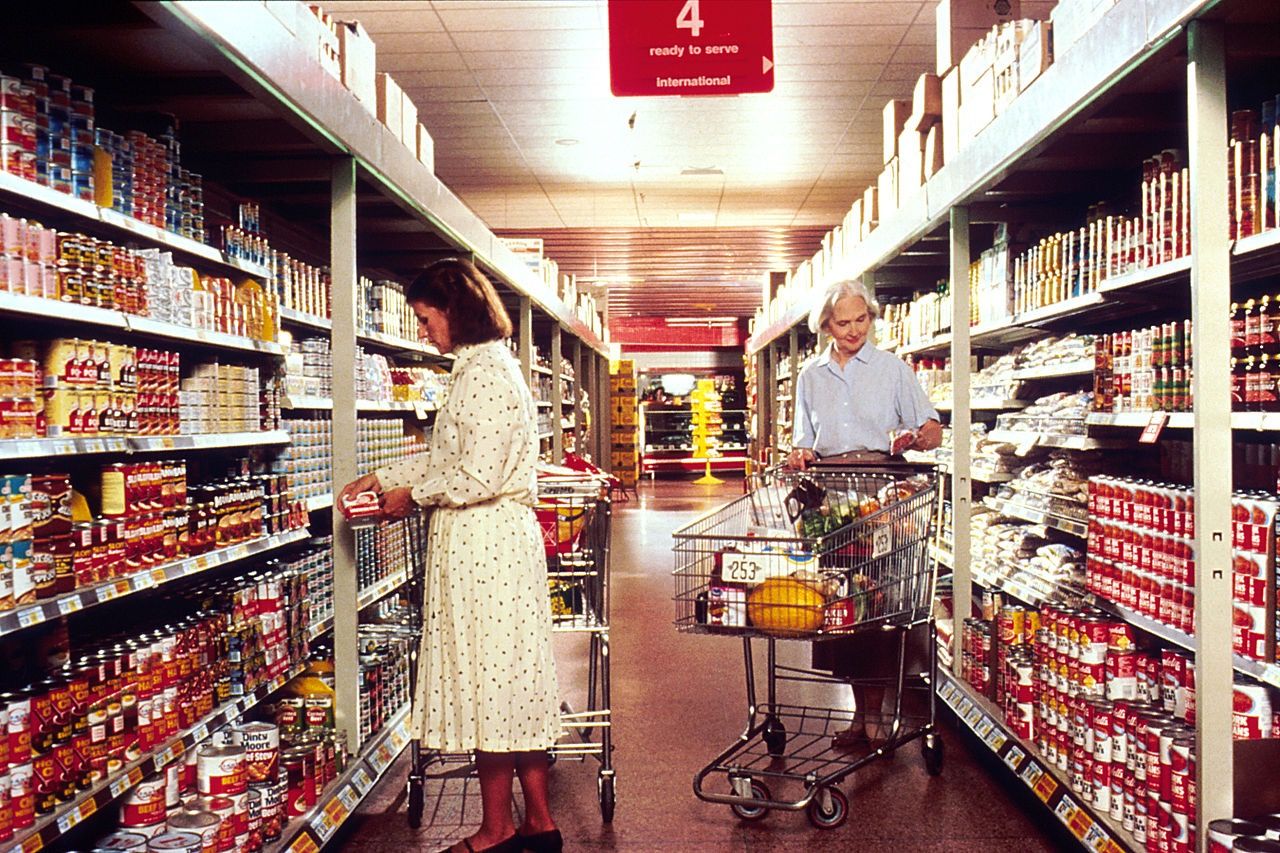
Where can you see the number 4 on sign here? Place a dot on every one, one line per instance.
(690, 18)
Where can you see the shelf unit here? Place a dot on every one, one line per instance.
(286, 133)
(1041, 150)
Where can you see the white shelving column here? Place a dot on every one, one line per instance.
(1211, 343)
(961, 484)
(557, 394)
(524, 331)
(346, 618)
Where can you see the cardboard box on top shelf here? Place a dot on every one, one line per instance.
(870, 210)
(390, 102)
(1035, 54)
(934, 150)
(426, 149)
(1072, 18)
(887, 187)
(977, 105)
(409, 124)
(952, 138)
(286, 12)
(959, 23)
(895, 118)
(328, 50)
(910, 163)
(926, 102)
(978, 60)
(359, 57)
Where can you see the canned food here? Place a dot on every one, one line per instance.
(175, 842)
(261, 745)
(220, 770)
(125, 842)
(145, 804)
(196, 820)
(298, 764)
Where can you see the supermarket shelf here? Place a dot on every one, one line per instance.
(545, 436)
(399, 345)
(987, 405)
(294, 317)
(1265, 241)
(381, 589)
(934, 344)
(173, 331)
(942, 556)
(419, 407)
(1268, 673)
(1023, 593)
(1043, 439)
(1095, 830)
(545, 371)
(1159, 274)
(320, 628)
(34, 306)
(1083, 367)
(1177, 420)
(542, 404)
(43, 448)
(319, 502)
(1255, 420)
(25, 617)
(976, 472)
(48, 829)
(304, 402)
(312, 830)
(124, 227)
(1035, 516)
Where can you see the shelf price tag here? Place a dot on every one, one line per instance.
(1013, 758)
(33, 843)
(199, 733)
(304, 843)
(360, 779)
(66, 821)
(119, 786)
(31, 616)
(350, 799)
(1155, 426)
(996, 739)
(1095, 838)
(70, 605)
(87, 808)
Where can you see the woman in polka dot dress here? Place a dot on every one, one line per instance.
(486, 678)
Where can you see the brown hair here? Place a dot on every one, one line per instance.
(476, 315)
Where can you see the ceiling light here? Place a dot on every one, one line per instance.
(568, 140)
(697, 217)
(701, 321)
(701, 170)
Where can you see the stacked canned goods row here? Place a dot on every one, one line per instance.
(46, 131)
(418, 385)
(381, 309)
(385, 655)
(309, 367)
(1251, 174)
(1144, 370)
(70, 267)
(218, 398)
(316, 565)
(1255, 835)
(380, 442)
(977, 641)
(301, 286)
(245, 239)
(308, 460)
(373, 376)
(1253, 544)
(35, 538)
(98, 388)
(1141, 548)
(381, 551)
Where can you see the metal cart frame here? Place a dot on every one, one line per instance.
(883, 543)
(576, 517)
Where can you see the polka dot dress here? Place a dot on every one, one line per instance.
(486, 676)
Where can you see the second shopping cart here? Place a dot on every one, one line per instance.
(812, 556)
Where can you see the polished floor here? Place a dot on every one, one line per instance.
(678, 700)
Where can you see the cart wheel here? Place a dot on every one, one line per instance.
(831, 813)
(415, 803)
(608, 798)
(931, 749)
(752, 811)
(775, 736)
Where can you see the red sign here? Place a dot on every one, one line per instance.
(690, 47)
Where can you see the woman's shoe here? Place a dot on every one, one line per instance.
(543, 842)
(850, 738)
(514, 844)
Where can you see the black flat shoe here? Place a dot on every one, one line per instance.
(542, 842)
(514, 844)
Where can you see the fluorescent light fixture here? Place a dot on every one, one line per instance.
(702, 321)
(568, 140)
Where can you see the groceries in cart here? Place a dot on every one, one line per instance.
(845, 557)
(362, 509)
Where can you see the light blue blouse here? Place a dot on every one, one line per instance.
(855, 407)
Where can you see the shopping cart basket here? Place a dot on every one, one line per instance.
(809, 556)
(575, 513)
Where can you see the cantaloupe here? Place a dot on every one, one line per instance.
(785, 606)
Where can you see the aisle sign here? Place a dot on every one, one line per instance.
(690, 47)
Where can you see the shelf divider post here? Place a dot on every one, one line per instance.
(961, 483)
(1211, 343)
(557, 394)
(346, 616)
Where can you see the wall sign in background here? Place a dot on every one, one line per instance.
(690, 47)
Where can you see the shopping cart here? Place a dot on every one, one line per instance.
(574, 512)
(809, 556)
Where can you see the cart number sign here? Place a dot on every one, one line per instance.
(881, 542)
(751, 569)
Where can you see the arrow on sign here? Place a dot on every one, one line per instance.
(765, 65)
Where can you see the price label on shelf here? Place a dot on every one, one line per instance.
(119, 786)
(107, 593)
(349, 798)
(159, 576)
(32, 843)
(1013, 758)
(947, 691)
(381, 758)
(66, 821)
(1096, 838)
(199, 733)
(87, 808)
(1155, 426)
(143, 581)
(362, 781)
(965, 706)
(973, 716)
(304, 843)
(70, 604)
(984, 727)
(996, 739)
(202, 562)
(31, 616)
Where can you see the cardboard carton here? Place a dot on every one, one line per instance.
(910, 162)
(951, 139)
(390, 102)
(409, 124)
(887, 186)
(977, 105)
(426, 148)
(895, 118)
(934, 150)
(870, 210)
(1035, 54)
(926, 102)
(978, 60)
(359, 57)
(962, 22)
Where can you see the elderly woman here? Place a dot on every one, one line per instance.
(847, 401)
(486, 676)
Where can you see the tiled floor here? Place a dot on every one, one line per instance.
(678, 700)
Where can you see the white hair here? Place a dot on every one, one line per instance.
(821, 311)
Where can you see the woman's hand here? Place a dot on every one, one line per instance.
(367, 483)
(398, 503)
(929, 436)
(800, 458)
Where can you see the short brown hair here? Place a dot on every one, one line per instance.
(466, 296)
